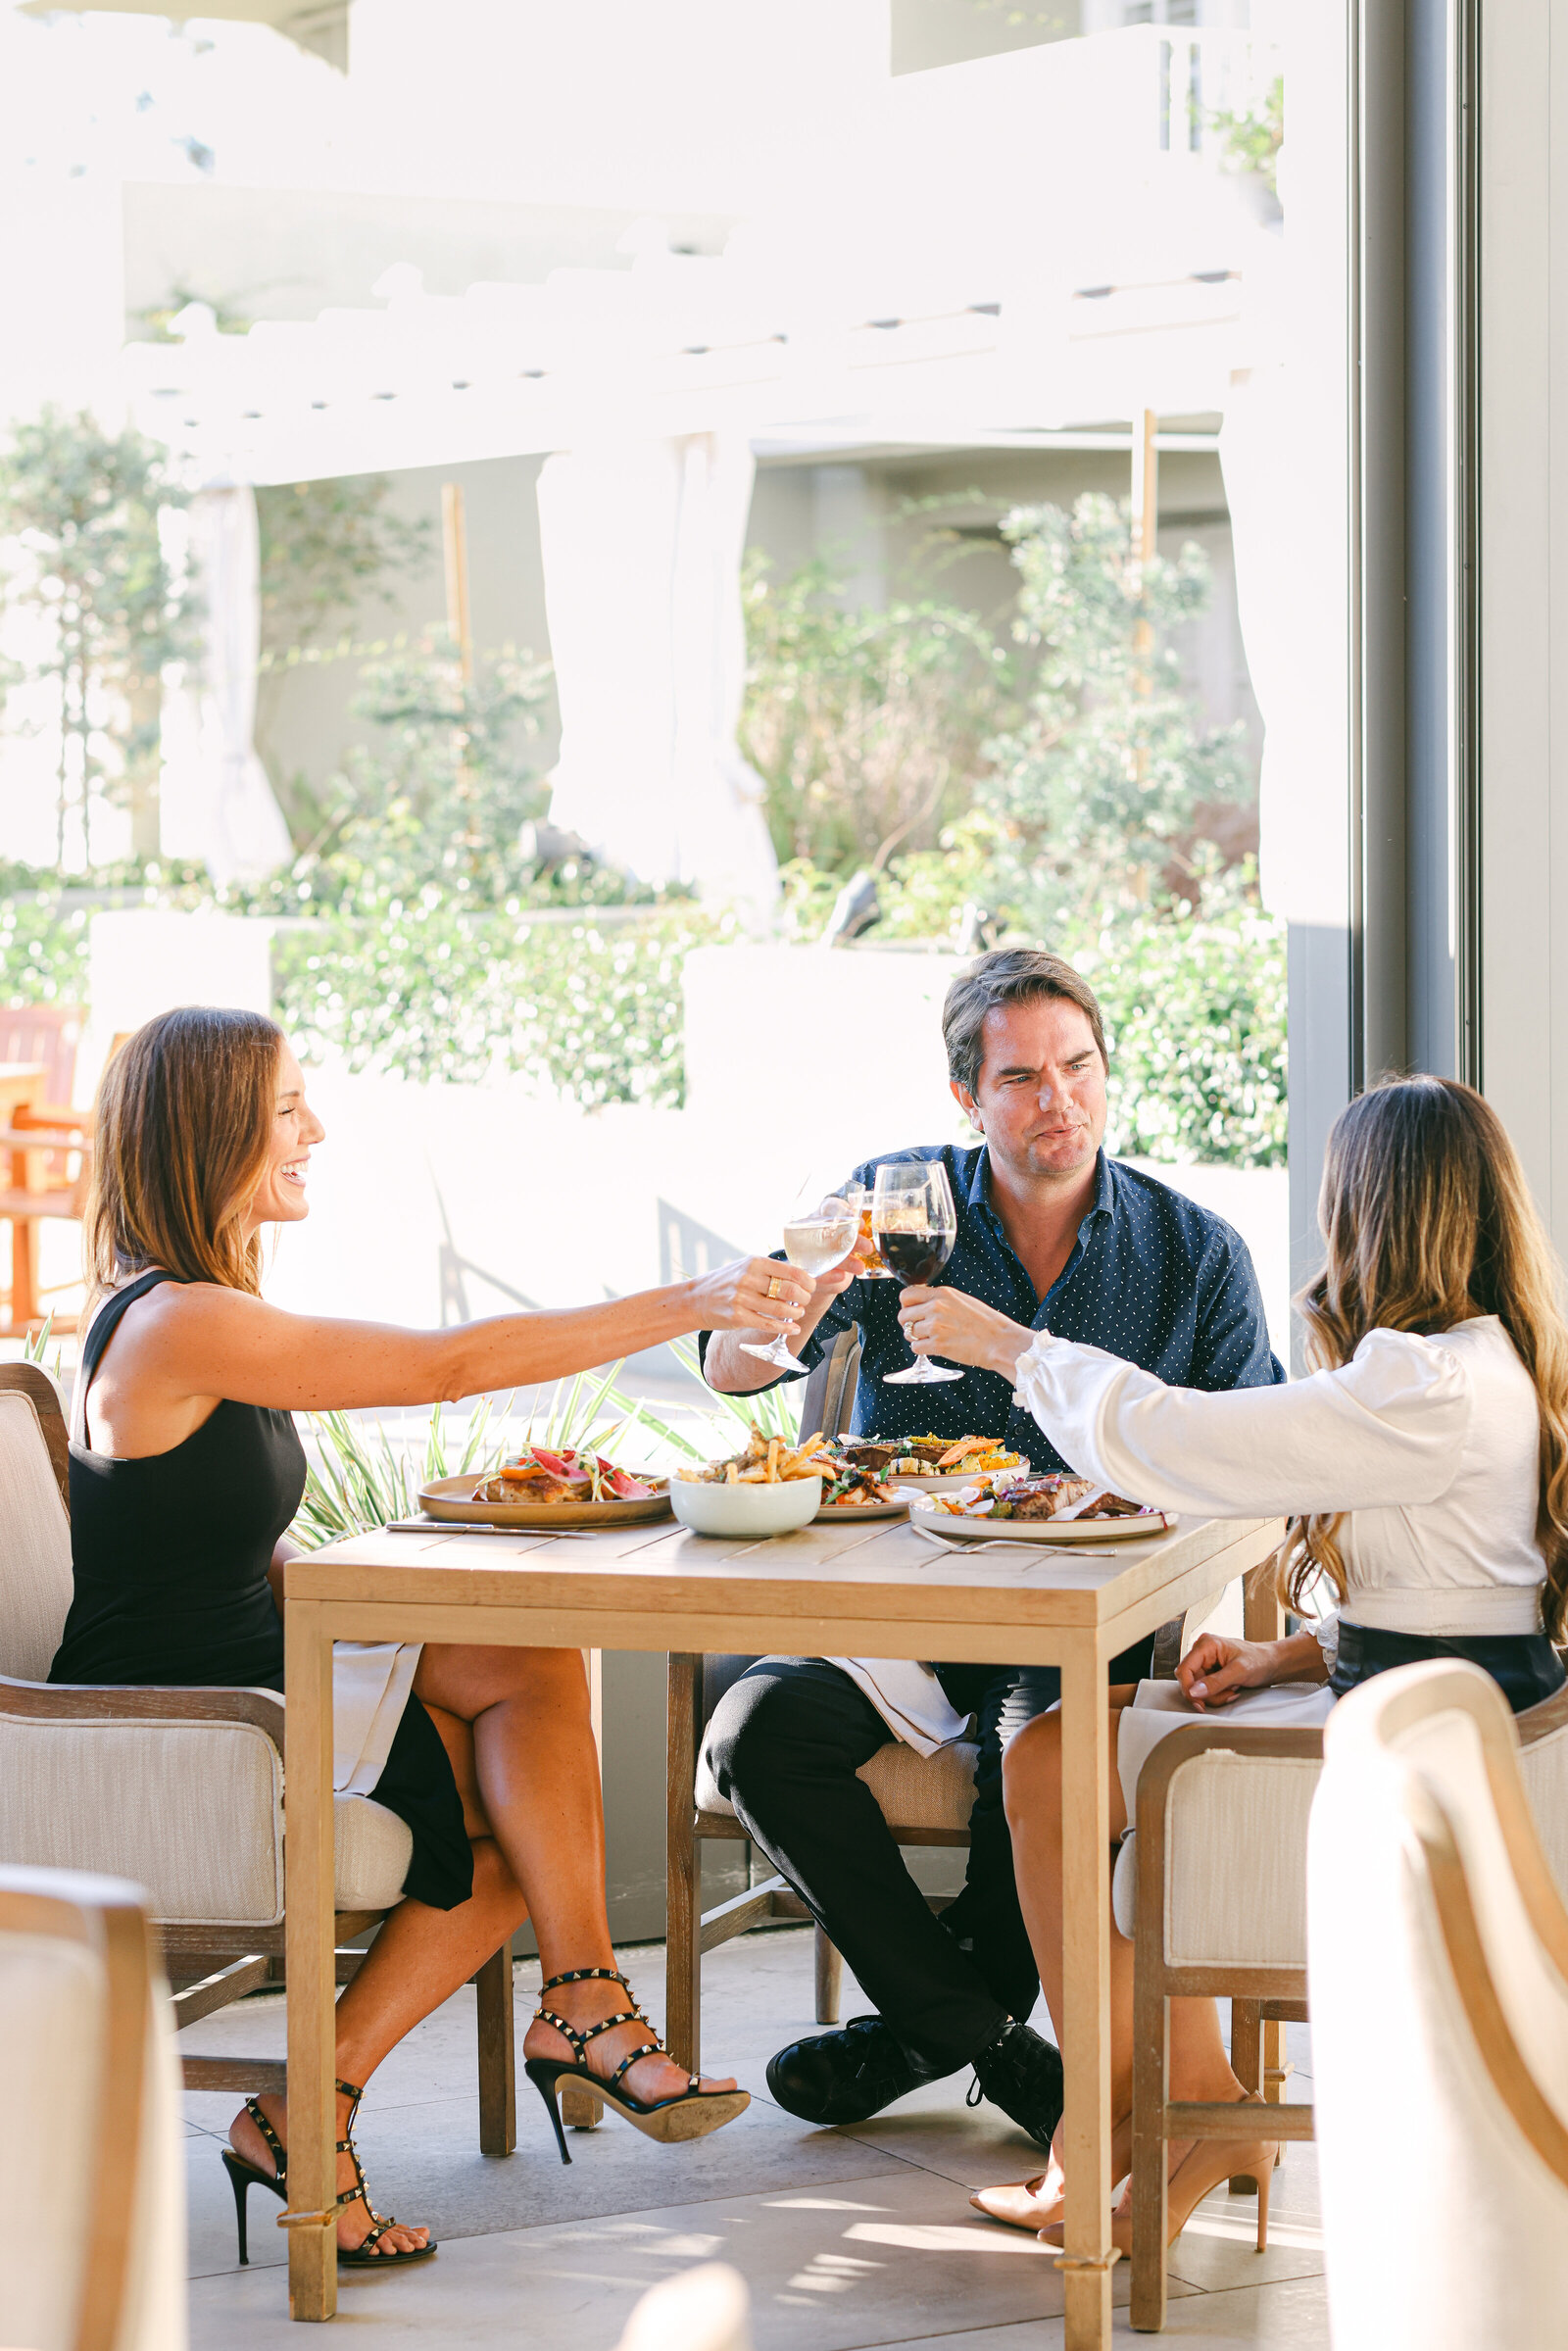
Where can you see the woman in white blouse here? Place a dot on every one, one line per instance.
(1423, 1468)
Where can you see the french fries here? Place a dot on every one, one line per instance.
(767, 1461)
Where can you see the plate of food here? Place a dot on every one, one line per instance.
(851, 1491)
(935, 1464)
(538, 1488)
(1054, 1508)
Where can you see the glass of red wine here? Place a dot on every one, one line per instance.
(914, 1225)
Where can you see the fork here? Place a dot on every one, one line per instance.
(995, 1542)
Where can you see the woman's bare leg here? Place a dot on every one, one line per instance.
(535, 1775)
(418, 1959)
(1198, 2066)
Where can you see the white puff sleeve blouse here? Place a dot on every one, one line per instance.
(1431, 1445)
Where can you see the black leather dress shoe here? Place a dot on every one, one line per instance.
(1021, 2073)
(843, 2077)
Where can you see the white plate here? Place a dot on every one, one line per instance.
(1041, 1530)
(838, 1513)
(956, 1478)
(450, 1498)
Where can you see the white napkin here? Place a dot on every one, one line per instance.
(909, 1699)
(370, 1685)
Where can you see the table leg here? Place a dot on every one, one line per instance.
(312, 2217)
(1263, 1619)
(684, 1931)
(1088, 2253)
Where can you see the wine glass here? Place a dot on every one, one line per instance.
(861, 1198)
(915, 1225)
(818, 1234)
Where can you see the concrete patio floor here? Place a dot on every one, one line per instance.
(846, 2238)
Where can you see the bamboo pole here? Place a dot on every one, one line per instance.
(1146, 526)
(455, 548)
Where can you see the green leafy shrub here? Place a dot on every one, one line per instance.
(867, 725)
(591, 1009)
(43, 950)
(1195, 1007)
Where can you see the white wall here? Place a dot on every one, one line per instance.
(1524, 586)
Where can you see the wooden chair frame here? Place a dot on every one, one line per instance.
(1277, 1995)
(113, 1924)
(208, 1966)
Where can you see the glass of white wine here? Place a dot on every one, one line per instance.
(818, 1234)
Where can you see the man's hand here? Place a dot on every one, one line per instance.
(952, 1323)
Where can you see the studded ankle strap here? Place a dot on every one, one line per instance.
(586, 1975)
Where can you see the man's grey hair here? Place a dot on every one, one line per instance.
(1008, 975)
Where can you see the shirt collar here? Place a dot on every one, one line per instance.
(1105, 1203)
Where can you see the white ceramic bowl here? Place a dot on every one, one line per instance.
(759, 1510)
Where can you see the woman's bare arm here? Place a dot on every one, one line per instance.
(198, 1340)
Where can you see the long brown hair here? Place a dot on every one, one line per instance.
(185, 1114)
(1429, 1222)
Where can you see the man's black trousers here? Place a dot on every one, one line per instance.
(784, 1745)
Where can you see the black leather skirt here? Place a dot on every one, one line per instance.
(1524, 1665)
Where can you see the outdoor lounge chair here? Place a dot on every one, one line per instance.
(180, 1790)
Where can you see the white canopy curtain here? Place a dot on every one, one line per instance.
(1285, 458)
(215, 801)
(642, 545)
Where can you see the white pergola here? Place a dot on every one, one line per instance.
(948, 314)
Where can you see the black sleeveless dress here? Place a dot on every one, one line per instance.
(170, 1554)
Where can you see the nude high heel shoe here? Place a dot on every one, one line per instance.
(1196, 2176)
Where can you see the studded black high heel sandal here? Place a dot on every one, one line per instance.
(243, 2177)
(692, 2113)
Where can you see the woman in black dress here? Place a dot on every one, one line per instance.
(185, 1470)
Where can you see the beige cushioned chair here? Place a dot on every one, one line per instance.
(180, 1790)
(1213, 1891)
(92, 2178)
(1438, 1950)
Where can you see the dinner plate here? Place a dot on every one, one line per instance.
(839, 1511)
(449, 1499)
(1148, 1524)
(955, 1480)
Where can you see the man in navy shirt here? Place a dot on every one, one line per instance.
(1054, 1234)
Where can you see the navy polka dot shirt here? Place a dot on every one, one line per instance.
(1151, 1277)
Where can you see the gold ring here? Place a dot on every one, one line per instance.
(775, 1287)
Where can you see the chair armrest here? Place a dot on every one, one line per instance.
(1194, 1739)
(111, 1702)
(180, 1790)
(1220, 1862)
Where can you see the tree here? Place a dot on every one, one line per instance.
(81, 508)
(1098, 792)
(325, 547)
(867, 726)
(439, 802)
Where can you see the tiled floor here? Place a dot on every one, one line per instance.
(846, 2238)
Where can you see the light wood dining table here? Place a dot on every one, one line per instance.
(874, 1591)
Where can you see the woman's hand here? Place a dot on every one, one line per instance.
(952, 1323)
(753, 1293)
(1214, 1670)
